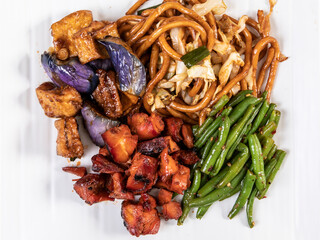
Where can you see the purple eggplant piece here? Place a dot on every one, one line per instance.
(130, 70)
(104, 64)
(70, 72)
(96, 123)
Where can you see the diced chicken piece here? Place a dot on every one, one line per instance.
(157, 145)
(171, 210)
(168, 166)
(116, 186)
(68, 141)
(79, 171)
(173, 127)
(138, 219)
(187, 157)
(104, 151)
(63, 30)
(92, 188)
(181, 180)
(102, 164)
(142, 173)
(58, 102)
(106, 94)
(164, 196)
(120, 142)
(86, 46)
(147, 201)
(187, 135)
(147, 127)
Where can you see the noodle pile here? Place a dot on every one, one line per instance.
(161, 36)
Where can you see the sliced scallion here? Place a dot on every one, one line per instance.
(192, 58)
(152, 7)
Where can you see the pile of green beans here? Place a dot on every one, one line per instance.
(238, 155)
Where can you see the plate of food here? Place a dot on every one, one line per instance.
(164, 120)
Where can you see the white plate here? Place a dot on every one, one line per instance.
(36, 199)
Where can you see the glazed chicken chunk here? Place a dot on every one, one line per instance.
(58, 102)
(141, 218)
(69, 144)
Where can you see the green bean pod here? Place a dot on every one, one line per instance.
(189, 195)
(248, 184)
(234, 133)
(238, 163)
(275, 116)
(267, 130)
(239, 97)
(237, 142)
(203, 127)
(195, 129)
(202, 211)
(257, 161)
(193, 169)
(267, 144)
(267, 115)
(211, 184)
(280, 156)
(216, 194)
(216, 149)
(219, 105)
(240, 109)
(260, 116)
(231, 193)
(211, 129)
(206, 149)
(272, 152)
(249, 208)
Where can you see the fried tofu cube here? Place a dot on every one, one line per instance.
(63, 30)
(59, 102)
(86, 46)
(110, 29)
(69, 144)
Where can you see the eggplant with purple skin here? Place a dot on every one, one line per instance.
(70, 72)
(104, 64)
(96, 123)
(130, 70)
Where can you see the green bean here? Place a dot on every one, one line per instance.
(217, 147)
(275, 116)
(189, 195)
(204, 179)
(211, 129)
(257, 161)
(280, 156)
(272, 152)
(267, 130)
(206, 149)
(240, 109)
(231, 193)
(249, 209)
(234, 133)
(239, 161)
(267, 144)
(248, 184)
(211, 184)
(202, 211)
(259, 118)
(219, 105)
(217, 193)
(194, 168)
(195, 129)
(235, 100)
(267, 115)
(237, 142)
(203, 127)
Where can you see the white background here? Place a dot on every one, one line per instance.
(36, 198)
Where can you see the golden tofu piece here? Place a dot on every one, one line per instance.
(63, 30)
(59, 102)
(86, 46)
(68, 141)
(110, 29)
